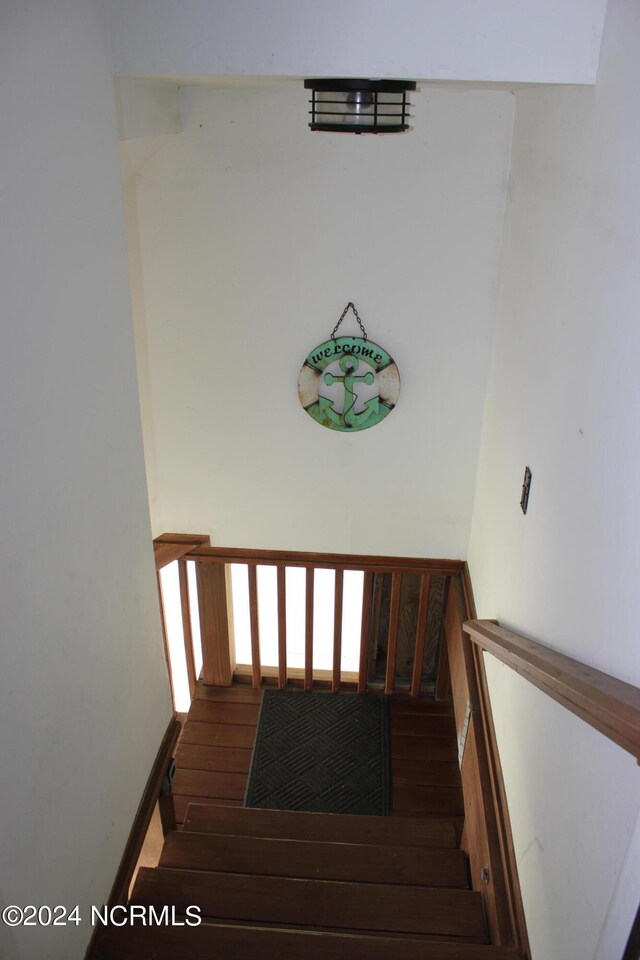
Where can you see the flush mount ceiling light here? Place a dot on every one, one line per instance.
(359, 106)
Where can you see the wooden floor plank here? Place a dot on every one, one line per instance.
(201, 783)
(316, 903)
(338, 828)
(218, 734)
(238, 693)
(217, 711)
(432, 867)
(193, 756)
(222, 941)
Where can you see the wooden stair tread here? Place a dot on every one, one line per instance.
(316, 903)
(424, 866)
(339, 828)
(220, 941)
(182, 802)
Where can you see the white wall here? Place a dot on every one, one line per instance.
(83, 691)
(255, 233)
(535, 41)
(564, 397)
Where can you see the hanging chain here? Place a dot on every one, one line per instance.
(355, 313)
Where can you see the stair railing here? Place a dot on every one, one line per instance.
(604, 702)
(216, 614)
(218, 668)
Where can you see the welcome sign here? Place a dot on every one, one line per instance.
(348, 384)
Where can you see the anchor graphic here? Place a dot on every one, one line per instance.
(349, 418)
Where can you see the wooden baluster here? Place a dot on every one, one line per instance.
(214, 624)
(421, 630)
(367, 589)
(186, 625)
(337, 631)
(282, 627)
(394, 615)
(256, 672)
(308, 636)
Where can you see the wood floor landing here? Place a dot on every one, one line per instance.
(215, 747)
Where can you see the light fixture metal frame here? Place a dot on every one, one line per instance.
(370, 123)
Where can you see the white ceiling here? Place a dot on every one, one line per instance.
(515, 41)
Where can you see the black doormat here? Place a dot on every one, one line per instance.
(321, 752)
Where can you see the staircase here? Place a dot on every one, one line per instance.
(278, 885)
(435, 880)
(364, 887)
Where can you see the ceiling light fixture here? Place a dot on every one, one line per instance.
(359, 106)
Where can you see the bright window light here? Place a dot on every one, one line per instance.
(323, 599)
(194, 613)
(268, 614)
(295, 581)
(175, 636)
(241, 621)
(352, 619)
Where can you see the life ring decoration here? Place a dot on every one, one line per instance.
(349, 383)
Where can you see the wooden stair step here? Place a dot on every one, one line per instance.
(375, 907)
(220, 941)
(182, 802)
(424, 866)
(337, 828)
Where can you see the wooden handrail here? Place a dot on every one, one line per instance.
(345, 561)
(604, 702)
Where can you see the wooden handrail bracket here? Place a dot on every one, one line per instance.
(604, 702)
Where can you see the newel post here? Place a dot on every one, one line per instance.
(217, 660)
